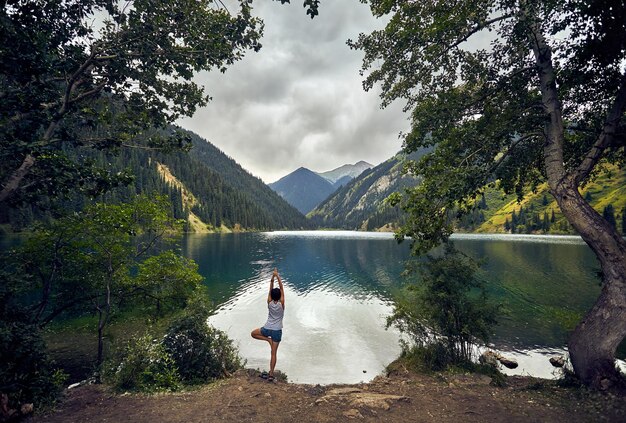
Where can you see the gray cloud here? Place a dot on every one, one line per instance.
(299, 101)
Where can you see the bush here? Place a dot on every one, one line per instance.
(200, 351)
(145, 366)
(27, 375)
(446, 313)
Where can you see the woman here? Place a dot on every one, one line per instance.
(272, 330)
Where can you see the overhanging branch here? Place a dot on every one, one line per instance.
(605, 139)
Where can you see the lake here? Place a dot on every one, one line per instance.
(339, 287)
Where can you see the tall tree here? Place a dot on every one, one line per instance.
(512, 93)
(91, 261)
(64, 82)
(609, 215)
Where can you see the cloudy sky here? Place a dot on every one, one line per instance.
(299, 101)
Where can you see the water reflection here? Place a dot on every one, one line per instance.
(339, 287)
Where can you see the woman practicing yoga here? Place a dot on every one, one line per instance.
(272, 330)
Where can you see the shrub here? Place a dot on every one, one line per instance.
(428, 357)
(27, 375)
(446, 313)
(145, 366)
(200, 351)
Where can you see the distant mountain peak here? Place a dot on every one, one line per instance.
(351, 170)
(304, 189)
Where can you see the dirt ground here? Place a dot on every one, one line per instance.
(400, 397)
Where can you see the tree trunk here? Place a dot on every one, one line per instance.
(102, 321)
(14, 181)
(100, 358)
(593, 343)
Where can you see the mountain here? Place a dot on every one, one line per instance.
(280, 213)
(351, 171)
(303, 189)
(360, 203)
(208, 189)
(342, 181)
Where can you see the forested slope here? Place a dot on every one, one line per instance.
(228, 197)
(360, 203)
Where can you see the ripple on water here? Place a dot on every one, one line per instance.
(338, 295)
(543, 239)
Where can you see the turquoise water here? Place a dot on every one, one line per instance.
(339, 289)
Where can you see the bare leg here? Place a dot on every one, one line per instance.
(273, 358)
(256, 334)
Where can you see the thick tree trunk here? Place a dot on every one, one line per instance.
(593, 343)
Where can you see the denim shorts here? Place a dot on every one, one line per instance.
(276, 335)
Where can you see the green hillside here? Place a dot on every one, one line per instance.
(360, 204)
(206, 188)
(541, 214)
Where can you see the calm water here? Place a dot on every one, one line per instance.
(339, 287)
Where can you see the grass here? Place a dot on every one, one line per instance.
(608, 187)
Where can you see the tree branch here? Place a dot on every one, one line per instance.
(89, 93)
(475, 30)
(508, 152)
(65, 307)
(606, 136)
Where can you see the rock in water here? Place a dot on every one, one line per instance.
(557, 361)
(507, 362)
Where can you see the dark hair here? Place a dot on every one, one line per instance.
(275, 294)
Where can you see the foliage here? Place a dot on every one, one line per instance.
(167, 280)
(191, 352)
(200, 351)
(103, 86)
(95, 261)
(479, 106)
(446, 314)
(511, 94)
(27, 375)
(223, 192)
(144, 366)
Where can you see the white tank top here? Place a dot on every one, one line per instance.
(274, 316)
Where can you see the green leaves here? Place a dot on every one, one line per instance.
(167, 281)
(63, 83)
(468, 76)
(447, 306)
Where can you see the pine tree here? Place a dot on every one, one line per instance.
(609, 215)
(546, 222)
(483, 203)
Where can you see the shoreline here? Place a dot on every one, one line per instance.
(400, 396)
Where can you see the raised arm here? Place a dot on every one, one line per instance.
(269, 293)
(282, 290)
